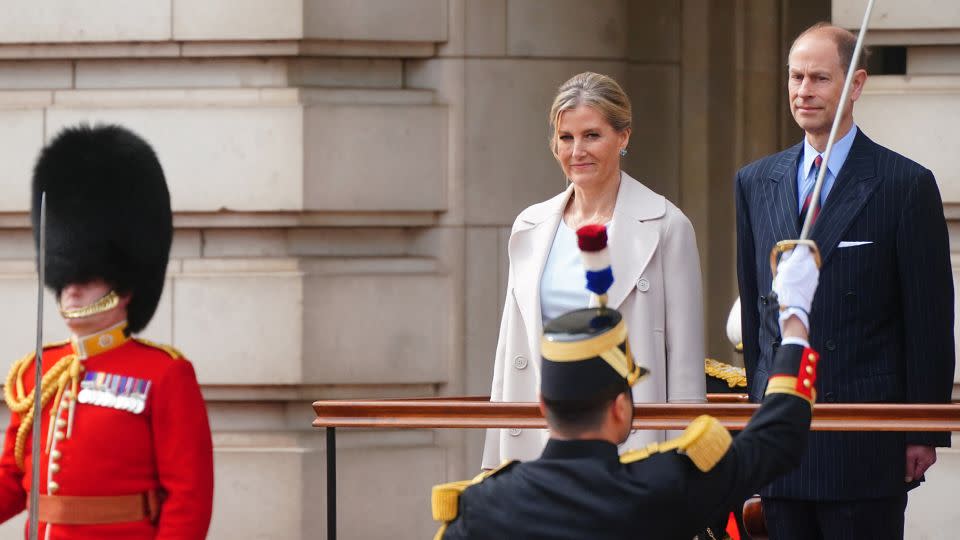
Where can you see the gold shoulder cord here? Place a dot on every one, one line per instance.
(67, 369)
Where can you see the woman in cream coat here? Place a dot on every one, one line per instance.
(654, 257)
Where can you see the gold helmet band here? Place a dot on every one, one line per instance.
(104, 304)
(606, 346)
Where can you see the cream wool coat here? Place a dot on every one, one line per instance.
(657, 287)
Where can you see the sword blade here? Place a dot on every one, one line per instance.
(38, 374)
(815, 198)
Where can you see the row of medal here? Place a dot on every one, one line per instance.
(114, 391)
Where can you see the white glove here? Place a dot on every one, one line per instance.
(795, 285)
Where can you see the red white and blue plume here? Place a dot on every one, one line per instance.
(592, 240)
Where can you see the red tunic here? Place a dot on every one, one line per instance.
(113, 451)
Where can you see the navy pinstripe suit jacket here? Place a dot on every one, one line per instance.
(882, 317)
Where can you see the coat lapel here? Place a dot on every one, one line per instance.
(852, 189)
(529, 247)
(784, 213)
(634, 236)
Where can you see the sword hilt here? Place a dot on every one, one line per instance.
(784, 246)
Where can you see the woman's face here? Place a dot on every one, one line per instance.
(587, 146)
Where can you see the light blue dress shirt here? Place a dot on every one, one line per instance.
(838, 156)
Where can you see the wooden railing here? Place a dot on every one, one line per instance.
(732, 410)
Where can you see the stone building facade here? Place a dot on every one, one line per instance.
(344, 175)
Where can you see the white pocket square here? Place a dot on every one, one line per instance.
(846, 244)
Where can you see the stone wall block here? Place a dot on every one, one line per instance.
(913, 15)
(18, 75)
(376, 20)
(21, 138)
(654, 150)
(81, 21)
(216, 158)
(247, 488)
(892, 115)
(212, 20)
(567, 28)
(376, 321)
(369, 158)
(240, 325)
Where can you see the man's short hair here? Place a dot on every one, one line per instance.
(845, 41)
(573, 417)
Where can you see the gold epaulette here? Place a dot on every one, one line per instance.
(175, 354)
(445, 498)
(735, 377)
(705, 442)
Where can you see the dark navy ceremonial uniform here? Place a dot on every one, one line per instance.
(582, 489)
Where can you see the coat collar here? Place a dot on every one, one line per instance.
(634, 201)
(850, 192)
(784, 175)
(853, 187)
(580, 449)
(634, 239)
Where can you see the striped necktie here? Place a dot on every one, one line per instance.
(817, 161)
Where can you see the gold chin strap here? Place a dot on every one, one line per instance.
(104, 304)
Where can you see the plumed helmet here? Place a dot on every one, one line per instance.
(586, 352)
(108, 214)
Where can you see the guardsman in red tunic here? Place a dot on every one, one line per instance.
(126, 447)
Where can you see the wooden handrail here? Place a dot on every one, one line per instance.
(476, 412)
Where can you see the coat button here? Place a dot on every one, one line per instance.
(515, 432)
(520, 361)
(831, 345)
(643, 285)
(764, 300)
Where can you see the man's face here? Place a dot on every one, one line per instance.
(815, 83)
(78, 295)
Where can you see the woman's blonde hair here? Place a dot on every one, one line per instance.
(598, 91)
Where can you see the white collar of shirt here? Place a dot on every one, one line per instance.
(841, 149)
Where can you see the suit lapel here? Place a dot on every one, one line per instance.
(634, 236)
(529, 247)
(783, 213)
(851, 190)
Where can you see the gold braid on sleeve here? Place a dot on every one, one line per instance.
(67, 369)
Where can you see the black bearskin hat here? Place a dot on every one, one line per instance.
(108, 215)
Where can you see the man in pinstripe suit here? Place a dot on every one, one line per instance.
(882, 316)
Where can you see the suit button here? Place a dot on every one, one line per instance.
(515, 432)
(831, 345)
(520, 361)
(643, 285)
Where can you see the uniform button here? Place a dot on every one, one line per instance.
(58, 435)
(520, 361)
(831, 345)
(764, 300)
(52, 487)
(54, 467)
(55, 455)
(61, 422)
(643, 284)
(515, 432)
(809, 370)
